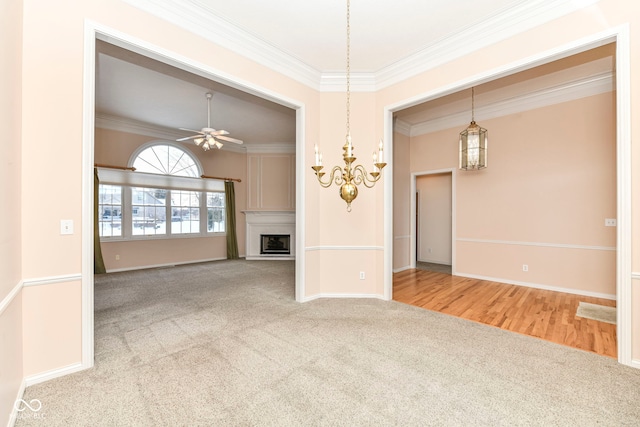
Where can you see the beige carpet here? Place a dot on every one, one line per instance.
(225, 344)
(598, 312)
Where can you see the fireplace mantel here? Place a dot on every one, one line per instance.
(269, 222)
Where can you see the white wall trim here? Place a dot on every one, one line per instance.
(635, 363)
(624, 327)
(120, 124)
(54, 373)
(565, 92)
(398, 270)
(502, 25)
(408, 236)
(538, 244)
(539, 286)
(8, 299)
(13, 416)
(333, 295)
(52, 279)
(194, 17)
(344, 248)
(414, 226)
(635, 276)
(166, 265)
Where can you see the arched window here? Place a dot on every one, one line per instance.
(167, 199)
(166, 159)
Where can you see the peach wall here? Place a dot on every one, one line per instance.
(271, 181)
(554, 185)
(51, 328)
(434, 218)
(11, 352)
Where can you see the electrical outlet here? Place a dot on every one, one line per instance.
(362, 275)
(610, 222)
(117, 257)
(525, 267)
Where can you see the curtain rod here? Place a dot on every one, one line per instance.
(223, 179)
(124, 168)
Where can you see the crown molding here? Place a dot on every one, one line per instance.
(197, 19)
(105, 121)
(501, 26)
(337, 82)
(568, 91)
(194, 17)
(283, 148)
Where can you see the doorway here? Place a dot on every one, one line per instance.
(434, 213)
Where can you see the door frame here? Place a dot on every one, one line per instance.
(413, 239)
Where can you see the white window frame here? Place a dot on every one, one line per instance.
(129, 179)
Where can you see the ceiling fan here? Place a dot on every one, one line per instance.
(209, 137)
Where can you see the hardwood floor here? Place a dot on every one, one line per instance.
(544, 314)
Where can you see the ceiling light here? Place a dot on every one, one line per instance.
(349, 176)
(473, 144)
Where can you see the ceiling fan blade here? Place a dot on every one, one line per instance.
(229, 139)
(219, 132)
(192, 130)
(189, 137)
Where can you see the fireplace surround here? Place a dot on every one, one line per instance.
(270, 235)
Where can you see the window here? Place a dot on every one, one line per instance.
(166, 159)
(148, 211)
(167, 200)
(215, 212)
(185, 212)
(110, 210)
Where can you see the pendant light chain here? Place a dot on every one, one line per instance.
(349, 176)
(472, 104)
(348, 68)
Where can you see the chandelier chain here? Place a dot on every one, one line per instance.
(472, 104)
(348, 67)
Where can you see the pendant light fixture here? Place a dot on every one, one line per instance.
(473, 144)
(350, 176)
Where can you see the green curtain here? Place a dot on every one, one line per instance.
(230, 209)
(98, 262)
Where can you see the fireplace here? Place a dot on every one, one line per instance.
(279, 226)
(275, 244)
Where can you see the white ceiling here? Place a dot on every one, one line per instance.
(306, 40)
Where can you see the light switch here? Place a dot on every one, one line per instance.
(66, 226)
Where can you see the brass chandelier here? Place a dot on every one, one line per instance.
(349, 176)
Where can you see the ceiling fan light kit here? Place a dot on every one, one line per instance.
(208, 137)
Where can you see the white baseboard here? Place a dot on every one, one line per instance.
(170, 264)
(330, 295)
(539, 286)
(54, 373)
(406, 267)
(635, 363)
(436, 261)
(13, 417)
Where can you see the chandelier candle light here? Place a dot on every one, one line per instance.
(350, 176)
